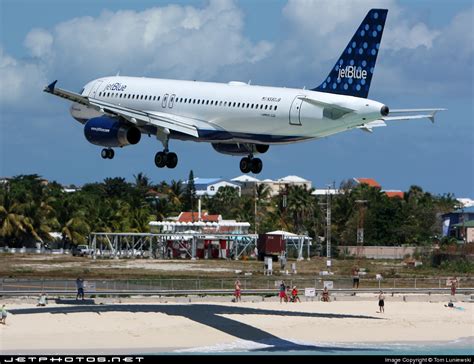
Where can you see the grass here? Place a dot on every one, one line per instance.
(68, 267)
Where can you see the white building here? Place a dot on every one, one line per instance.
(210, 186)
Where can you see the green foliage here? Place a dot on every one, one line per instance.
(30, 209)
(458, 266)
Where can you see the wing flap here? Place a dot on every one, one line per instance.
(139, 117)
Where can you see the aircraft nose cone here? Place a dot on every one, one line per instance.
(384, 110)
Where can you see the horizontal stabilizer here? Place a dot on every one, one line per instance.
(426, 113)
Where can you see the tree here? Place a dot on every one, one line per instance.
(190, 193)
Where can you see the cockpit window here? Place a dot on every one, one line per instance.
(80, 93)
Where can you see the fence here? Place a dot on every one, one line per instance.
(9, 284)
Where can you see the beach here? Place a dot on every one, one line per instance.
(154, 326)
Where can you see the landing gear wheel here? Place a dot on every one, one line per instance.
(257, 165)
(245, 165)
(107, 153)
(160, 159)
(171, 160)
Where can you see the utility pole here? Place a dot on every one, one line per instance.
(328, 227)
(255, 198)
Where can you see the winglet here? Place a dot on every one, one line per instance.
(50, 87)
(432, 116)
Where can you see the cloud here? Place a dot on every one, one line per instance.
(39, 42)
(170, 42)
(20, 80)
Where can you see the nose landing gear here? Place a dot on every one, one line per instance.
(251, 164)
(107, 153)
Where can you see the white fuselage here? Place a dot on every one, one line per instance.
(234, 112)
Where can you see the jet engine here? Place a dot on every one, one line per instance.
(240, 149)
(110, 132)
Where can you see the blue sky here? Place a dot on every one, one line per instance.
(426, 60)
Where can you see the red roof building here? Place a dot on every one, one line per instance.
(394, 193)
(194, 216)
(368, 181)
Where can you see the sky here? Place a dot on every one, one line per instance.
(425, 61)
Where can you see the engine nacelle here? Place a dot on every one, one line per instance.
(240, 149)
(109, 132)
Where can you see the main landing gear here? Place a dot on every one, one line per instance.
(107, 153)
(251, 164)
(166, 159)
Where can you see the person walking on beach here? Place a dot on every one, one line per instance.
(325, 296)
(42, 301)
(3, 315)
(381, 302)
(283, 295)
(80, 288)
(237, 291)
(294, 295)
(454, 284)
(355, 277)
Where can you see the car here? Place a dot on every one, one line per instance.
(81, 250)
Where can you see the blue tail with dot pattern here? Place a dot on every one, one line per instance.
(352, 73)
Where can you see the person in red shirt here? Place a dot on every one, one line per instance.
(294, 295)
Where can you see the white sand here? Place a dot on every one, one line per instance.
(132, 331)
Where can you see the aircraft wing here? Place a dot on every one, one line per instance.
(71, 96)
(138, 117)
(141, 118)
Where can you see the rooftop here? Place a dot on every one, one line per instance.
(368, 181)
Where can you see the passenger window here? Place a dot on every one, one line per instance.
(165, 99)
(275, 107)
(158, 99)
(170, 104)
(261, 107)
(266, 106)
(233, 104)
(207, 102)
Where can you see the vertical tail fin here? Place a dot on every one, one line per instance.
(352, 73)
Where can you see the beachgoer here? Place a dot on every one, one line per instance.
(325, 296)
(237, 291)
(80, 288)
(381, 302)
(294, 295)
(355, 277)
(283, 292)
(42, 300)
(454, 284)
(3, 315)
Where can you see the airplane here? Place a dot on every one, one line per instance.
(237, 118)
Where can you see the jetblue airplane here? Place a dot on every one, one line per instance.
(237, 118)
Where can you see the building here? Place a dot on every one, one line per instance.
(248, 184)
(456, 217)
(464, 231)
(282, 184)
(210, 186)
